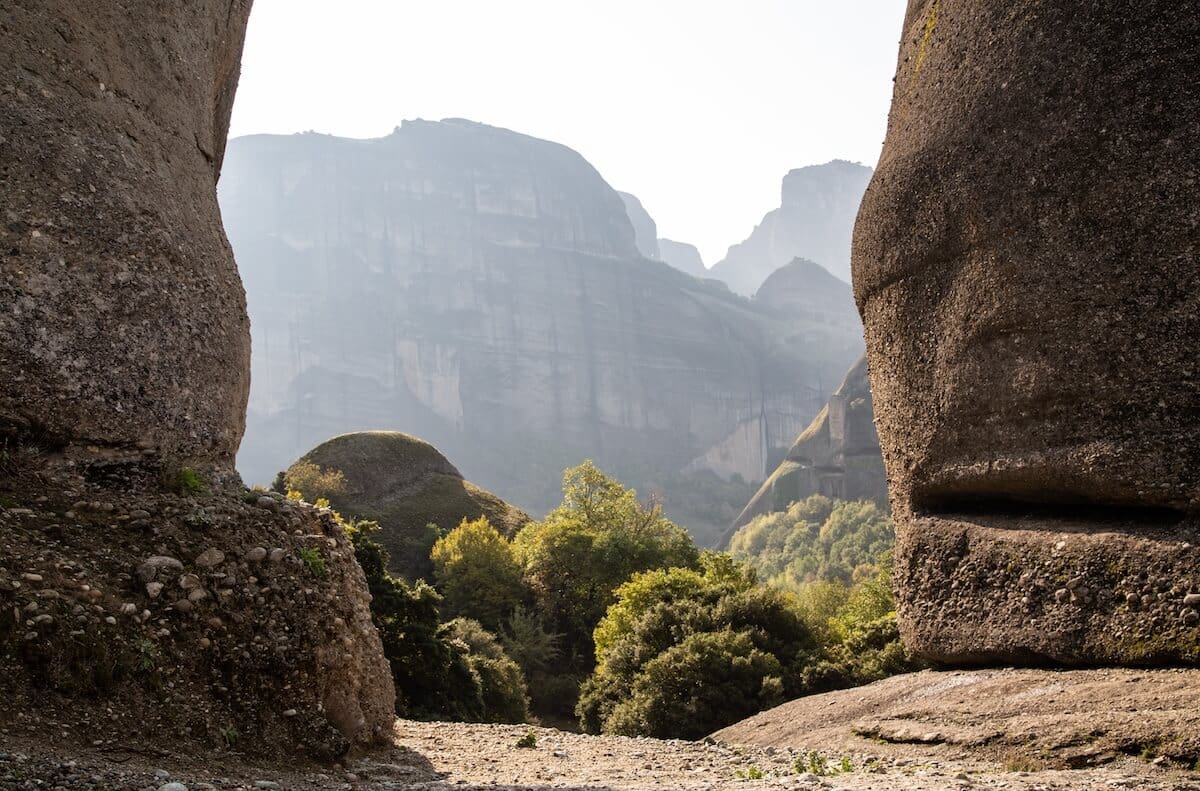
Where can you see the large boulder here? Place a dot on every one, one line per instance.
(124, 322)
(141, 589)
(404, 484)
(1025, 261)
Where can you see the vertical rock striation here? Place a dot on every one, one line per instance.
(1026, 266)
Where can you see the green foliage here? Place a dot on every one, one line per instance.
(501, 684)
(312, 481)
(455, 671)
(595, 540)
(230, 735)
(814, 539)
(314, 561)
(478, 574)
(836, 557)
(189, 482)
(528, 741)
(684, 652)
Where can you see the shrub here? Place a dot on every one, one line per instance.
(313, 482)
(478, 574)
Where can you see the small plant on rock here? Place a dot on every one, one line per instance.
(230, 735)
(314, 561)
(189, 482)
(528, 741)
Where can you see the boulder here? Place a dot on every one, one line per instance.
(1025, 261)
(405, 484)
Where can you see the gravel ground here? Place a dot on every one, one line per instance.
(443, 756)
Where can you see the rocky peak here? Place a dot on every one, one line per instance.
(644, 228)
(815, 220)
(682, 256)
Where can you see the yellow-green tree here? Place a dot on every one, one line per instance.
(478, 574)
(598, 538)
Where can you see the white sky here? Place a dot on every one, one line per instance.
(698, 107)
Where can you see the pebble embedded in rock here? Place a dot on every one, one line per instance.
(210, 557)
(1192, 600)
(256, 554)
(173, 787)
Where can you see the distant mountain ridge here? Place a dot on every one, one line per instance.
(815, 220)
(484, 291)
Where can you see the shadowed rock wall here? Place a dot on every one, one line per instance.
(124, 319)
(1025, 263)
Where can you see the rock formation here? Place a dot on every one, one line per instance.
(815, 220)
(645, 230)
(405, 484)
(141, 590)
(837, 455)
(1026, 266)
(684, 257)
(482, 290)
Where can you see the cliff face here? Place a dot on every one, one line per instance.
(483, 290)
(684, 257)
(815, 220)
(838, 455)
(645, 230)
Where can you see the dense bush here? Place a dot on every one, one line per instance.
(814, 539)
(478, 574)
(682, 653)
(454, 671)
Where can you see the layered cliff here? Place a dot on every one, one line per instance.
(815, 221)
(483, 290)
(682, 256)
(838, 456)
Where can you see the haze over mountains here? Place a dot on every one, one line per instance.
(489, 293)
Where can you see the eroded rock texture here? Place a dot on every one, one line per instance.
(141, 590)
(1025, 262)
(124, 319)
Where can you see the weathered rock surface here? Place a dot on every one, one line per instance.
(124, 367)
(838, 456)
(682, 256)
(481, 289)
(405, 484)
(815, 221)
(942, 739)
(1026, 266)
(124, 321)
(1036, 719)
(645, 230)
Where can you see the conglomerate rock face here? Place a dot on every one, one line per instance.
(124, 321)
(1025, 261)
(141, 591)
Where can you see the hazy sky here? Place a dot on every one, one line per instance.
(696, 106)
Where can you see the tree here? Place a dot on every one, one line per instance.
(596, 539)
(478, 574)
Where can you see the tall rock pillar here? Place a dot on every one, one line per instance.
(1025, 261)
(124, 321)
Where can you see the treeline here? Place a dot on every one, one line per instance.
(606, 611)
